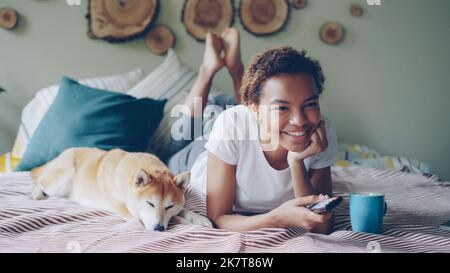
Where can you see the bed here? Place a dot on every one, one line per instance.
(417, 205)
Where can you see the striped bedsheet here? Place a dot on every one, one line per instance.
(416, 207)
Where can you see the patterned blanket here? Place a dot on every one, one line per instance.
(416, 207)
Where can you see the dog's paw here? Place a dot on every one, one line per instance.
(201, 220)
(37, 193)
(187, 217)
(181, 220)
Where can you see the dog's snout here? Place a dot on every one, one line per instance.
(159, 227)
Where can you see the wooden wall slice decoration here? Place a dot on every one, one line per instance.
(299, 4)
(356, 10)
(264, 17)
(121, 20)
(8, 18)
(202, 16)
(332, 33)
(160, 39)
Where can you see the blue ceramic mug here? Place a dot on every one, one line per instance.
(367, 211)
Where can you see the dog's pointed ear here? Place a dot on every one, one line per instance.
(142, 178)
(182, 180)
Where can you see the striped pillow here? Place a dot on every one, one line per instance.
(35, 110)
(172, 80)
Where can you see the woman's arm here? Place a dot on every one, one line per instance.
(221, 189)
(321, 183)
(317, 181)
(300, 179)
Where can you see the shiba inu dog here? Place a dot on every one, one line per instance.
(134, 185)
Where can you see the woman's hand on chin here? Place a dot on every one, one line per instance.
(317, 144)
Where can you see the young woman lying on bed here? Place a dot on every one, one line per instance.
(268, 158)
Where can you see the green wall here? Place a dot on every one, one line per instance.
(387, 87)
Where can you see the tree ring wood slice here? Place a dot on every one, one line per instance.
(121, 20)
(332, 33)
(202, 16)
(356, 10)
(264, 17)
(160, 39)
(299, 4)
(8, 18)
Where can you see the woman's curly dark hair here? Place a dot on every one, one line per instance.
(280, 60)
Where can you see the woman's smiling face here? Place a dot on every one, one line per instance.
(289, 110)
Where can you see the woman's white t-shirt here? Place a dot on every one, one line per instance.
(259, 187)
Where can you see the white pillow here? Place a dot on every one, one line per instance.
(172, 80)
(35, 110)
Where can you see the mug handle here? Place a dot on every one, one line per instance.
(385, 207)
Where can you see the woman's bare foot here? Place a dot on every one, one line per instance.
(212, 61)
(231, 45)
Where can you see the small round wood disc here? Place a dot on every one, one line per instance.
(356, 10)
(8, 18)
(299, 4)
(160, 39)
(332, 33)
(264, 17)
(203, 16)
(121, 20)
